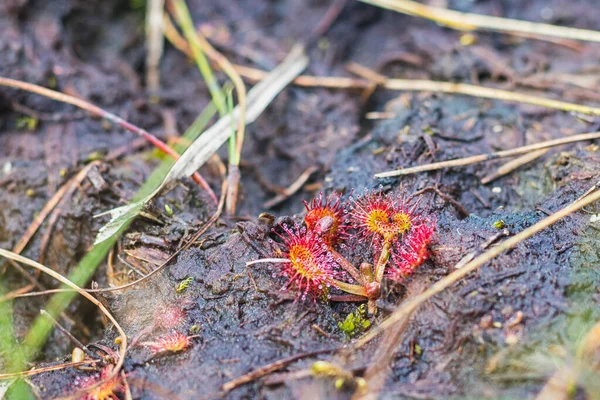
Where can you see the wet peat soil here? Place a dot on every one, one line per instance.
(465, 342)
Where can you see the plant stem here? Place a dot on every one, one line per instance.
(382, 261)
(372, 306)
(187, 26)
(349, 288)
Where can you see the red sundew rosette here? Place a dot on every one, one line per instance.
(413, 252)
(380, 218)
(330, 208)
(311, 265)
(385, 221)
(173, 342)
(107, 390)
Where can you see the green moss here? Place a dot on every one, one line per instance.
(355, 323)
(184, 284)
(27, 122)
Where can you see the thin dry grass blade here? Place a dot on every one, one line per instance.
(490, 156)
(468, 21)
(485, 92)
(36, 371)
(510, 166)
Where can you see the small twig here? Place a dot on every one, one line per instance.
(286, 377)
(17, 293)
(292, 189)
(467, 21)
(459, 207)
(512, 165)
(68, 334)
(366, 73)
(55, 117)
(269, 368)
(259, 290)
(36, 371)
(490, 156)
(332, 13)
(101, 113)
(407, 308)
(590, 190)
(321, 331)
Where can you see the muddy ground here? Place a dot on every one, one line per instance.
(476, 339)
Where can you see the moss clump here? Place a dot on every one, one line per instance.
(355, 323)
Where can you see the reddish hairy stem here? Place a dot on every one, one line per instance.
(372, 307)
(342, 298)
(99, 112)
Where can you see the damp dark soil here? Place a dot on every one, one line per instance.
(476, 339)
